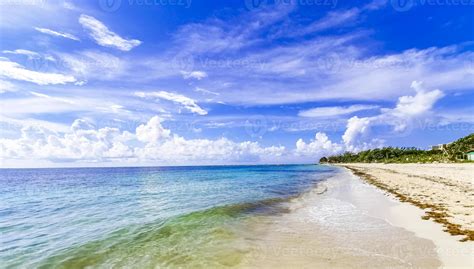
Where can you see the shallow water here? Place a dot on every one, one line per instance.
(141, 217)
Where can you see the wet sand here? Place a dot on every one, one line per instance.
(347, 223)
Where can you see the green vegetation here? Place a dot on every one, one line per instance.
(453, 152)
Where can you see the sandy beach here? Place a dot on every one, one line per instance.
(347, 223)
(443, 192)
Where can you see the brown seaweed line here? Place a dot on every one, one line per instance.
(436, 213)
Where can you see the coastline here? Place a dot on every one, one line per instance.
(344, 223)
(332, 219)
(441, 193)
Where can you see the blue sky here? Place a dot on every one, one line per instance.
(178, 82)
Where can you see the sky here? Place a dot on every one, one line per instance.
(194, 82)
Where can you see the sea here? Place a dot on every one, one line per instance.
(142, 217)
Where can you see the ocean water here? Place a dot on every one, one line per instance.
(154, 217)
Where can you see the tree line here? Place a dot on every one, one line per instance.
(453, 152)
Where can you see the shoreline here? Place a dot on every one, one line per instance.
(337, 220)
(350, 225)
(439, 209)
(453, 237)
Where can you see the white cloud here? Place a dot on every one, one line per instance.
(422, 102)
(94, 65)
(179, 150)
(334, 110)
(339, 18)
(152, 132)
(22, 15)
(16, 71)
(187, 102)
(332, 19)
(458, 115)
(356, 128)
(160, 144)
(248, 68)
(201, 38)
(358, 136)
(217, 36)
(6, 86)
(353, 140)
(80, 83)
(194, 74)
(16, 124)
(55, 33)
(70, 6)
(198, 89)
(321, 67)
(30, 54)
(320, 146)
(104, 37)
(37, 103)
(407, 109)
(151, 142)
(84, 143)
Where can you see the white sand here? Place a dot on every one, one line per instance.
(346, 223)
(448, 185)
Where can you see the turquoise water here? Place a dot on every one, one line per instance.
(139, 217)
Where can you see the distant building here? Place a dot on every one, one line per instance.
(439, 146)
(470, 155)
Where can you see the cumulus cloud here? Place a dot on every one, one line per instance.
(422, 102)
(81, 143)
(179, 150)
(358, 136)
(356, 128)
(152, 132)
(160, 144)
(16, 71)
(334, 111)
(150, 142)
(187, 102)
(318, 147)
(104, 37)
(407, 109)
(55, 33)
